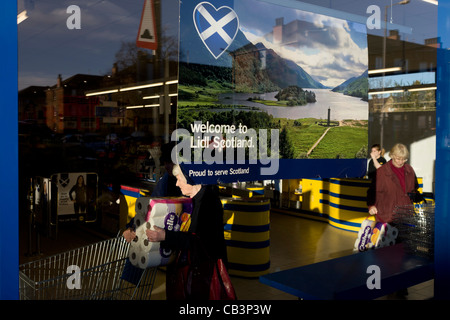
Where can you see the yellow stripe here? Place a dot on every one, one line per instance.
(342, 226)
(247, 274)
(256, 202)
(247, 218)
(248, 256)
(347, 215)
(247, 236)
(348, 190)
(347, 202)
(355, 219)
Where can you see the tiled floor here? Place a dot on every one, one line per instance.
(294, 242)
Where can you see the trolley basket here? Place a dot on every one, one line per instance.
(97, 271)
(415, 224)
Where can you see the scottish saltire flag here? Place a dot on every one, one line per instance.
(216, 26)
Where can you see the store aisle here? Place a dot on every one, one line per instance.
(294, 242)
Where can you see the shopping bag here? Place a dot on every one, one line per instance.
(374, 234)
(221, 287)
(196, 276)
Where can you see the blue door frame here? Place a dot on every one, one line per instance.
(9, 241)
(442, 175)
(9, 212)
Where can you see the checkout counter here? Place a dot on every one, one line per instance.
(339, 202)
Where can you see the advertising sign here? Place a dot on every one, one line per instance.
(77, 193)
(260, 84)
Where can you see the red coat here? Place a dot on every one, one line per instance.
(386, 193)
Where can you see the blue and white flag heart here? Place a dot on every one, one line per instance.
(216, 27)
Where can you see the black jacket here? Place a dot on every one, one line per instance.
(206, 225)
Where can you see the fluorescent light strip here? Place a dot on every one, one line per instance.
(384, 92)
(143, 106)
(393, 69)
(21, 17)
(150, 85)
(135, 107)
(151, 97)
(422, 89)
(142, 86)
(159, 96)
(101, 92)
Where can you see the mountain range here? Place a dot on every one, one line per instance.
(355, 87)
(255, 68)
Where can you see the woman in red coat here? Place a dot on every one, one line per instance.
(394, 184)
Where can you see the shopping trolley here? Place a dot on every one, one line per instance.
(415, 224)
(97, 271)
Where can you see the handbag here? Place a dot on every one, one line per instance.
(195, 276)
(374, 234)
(221, 287)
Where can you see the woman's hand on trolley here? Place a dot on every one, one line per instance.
(129, 235)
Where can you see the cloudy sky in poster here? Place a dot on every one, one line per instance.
(332, 56)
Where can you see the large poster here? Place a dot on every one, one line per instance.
(260, 84)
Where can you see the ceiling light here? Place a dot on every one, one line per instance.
(97, 93)
(142, 86)
(386, 92)
(422, 89)
(393, 69)
(151, 97)
(22, 16)
(135, 107)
